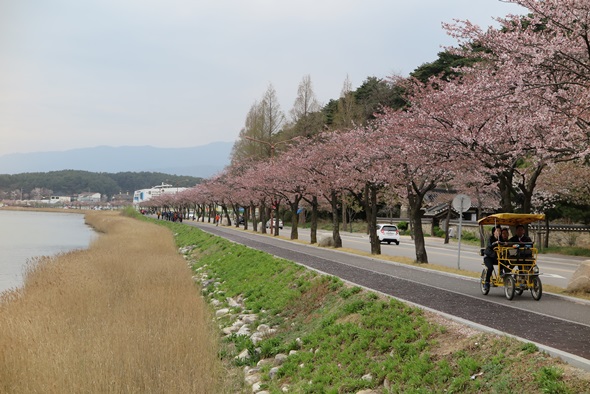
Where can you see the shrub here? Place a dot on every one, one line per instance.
(438, 232)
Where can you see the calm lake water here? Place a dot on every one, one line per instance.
(24, 235)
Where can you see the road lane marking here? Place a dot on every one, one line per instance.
(553, 276)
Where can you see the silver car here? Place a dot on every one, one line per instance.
(273, 224)
(388, 233)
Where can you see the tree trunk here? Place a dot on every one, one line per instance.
(262, 218)
(295, 217)
(237, 214)
(505, 186)
(275, 224)
(224, 211)
(528, 188)
(344, 218)
(246, 214)
(335, 220)
(253, 213)
(371, 209)
(313, 228)
(416, 220)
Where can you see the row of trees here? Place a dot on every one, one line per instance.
(38, 185)
(511, 118)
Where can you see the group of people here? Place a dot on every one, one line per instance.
(168, 215)
(499, 236)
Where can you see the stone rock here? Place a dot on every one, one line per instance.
(251, 379)
(367, 392)
(256, 337)
(273, 372)
(244, 355)
(252, 371)
(368, 377)
(264, 361)
(292, 352)
(227, 331)
(250, 318)
(237, 325)
(221, 312)
(206, 283)
(244, 330)
(280, 358)
(285, 388)
(256, 387)
(326, 242)
(580, 279)
(263, 328)
(386, 383)
(232, 303)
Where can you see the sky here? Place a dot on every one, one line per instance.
(180, 73)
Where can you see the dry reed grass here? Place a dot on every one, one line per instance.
(123, 316)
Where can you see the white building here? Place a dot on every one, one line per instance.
(89, 197)
(60, 200)
(142, 195)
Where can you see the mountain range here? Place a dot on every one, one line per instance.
(198, 161)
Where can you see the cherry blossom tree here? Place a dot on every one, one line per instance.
(546, 57)
(420, 161)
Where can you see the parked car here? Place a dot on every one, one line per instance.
(388, 233)
(241, 220)
(274, 221)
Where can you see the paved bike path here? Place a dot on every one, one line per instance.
(568, 330)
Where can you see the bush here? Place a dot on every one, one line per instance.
(469, 236)
(438, 232)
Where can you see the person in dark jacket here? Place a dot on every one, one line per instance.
(490, 258)
(522, 254)
(520, 235)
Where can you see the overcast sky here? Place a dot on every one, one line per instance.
(173, 73)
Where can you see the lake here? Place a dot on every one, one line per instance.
(27, 234)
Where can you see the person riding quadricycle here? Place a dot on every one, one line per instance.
(515, 258)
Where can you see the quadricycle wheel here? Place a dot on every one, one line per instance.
(536, 288)
(509, 286)
(484, 290)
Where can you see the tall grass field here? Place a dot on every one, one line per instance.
(123, 316)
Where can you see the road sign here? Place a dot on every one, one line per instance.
(461, 203)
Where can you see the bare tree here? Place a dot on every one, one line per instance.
(272, 115)
(306, 112)
(348, 114)
(245, 148)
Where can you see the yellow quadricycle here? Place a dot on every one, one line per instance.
(517, 268)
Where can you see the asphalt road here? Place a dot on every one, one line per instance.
(556, 270)
(559, 325)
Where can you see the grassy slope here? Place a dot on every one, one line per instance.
(347, 333)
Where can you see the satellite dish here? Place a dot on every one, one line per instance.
(461, 203)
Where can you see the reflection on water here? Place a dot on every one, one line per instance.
(24, 235)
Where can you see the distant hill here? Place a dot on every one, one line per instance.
(198, 161)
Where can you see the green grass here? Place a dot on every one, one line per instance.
(343, 333)
(568, 250)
